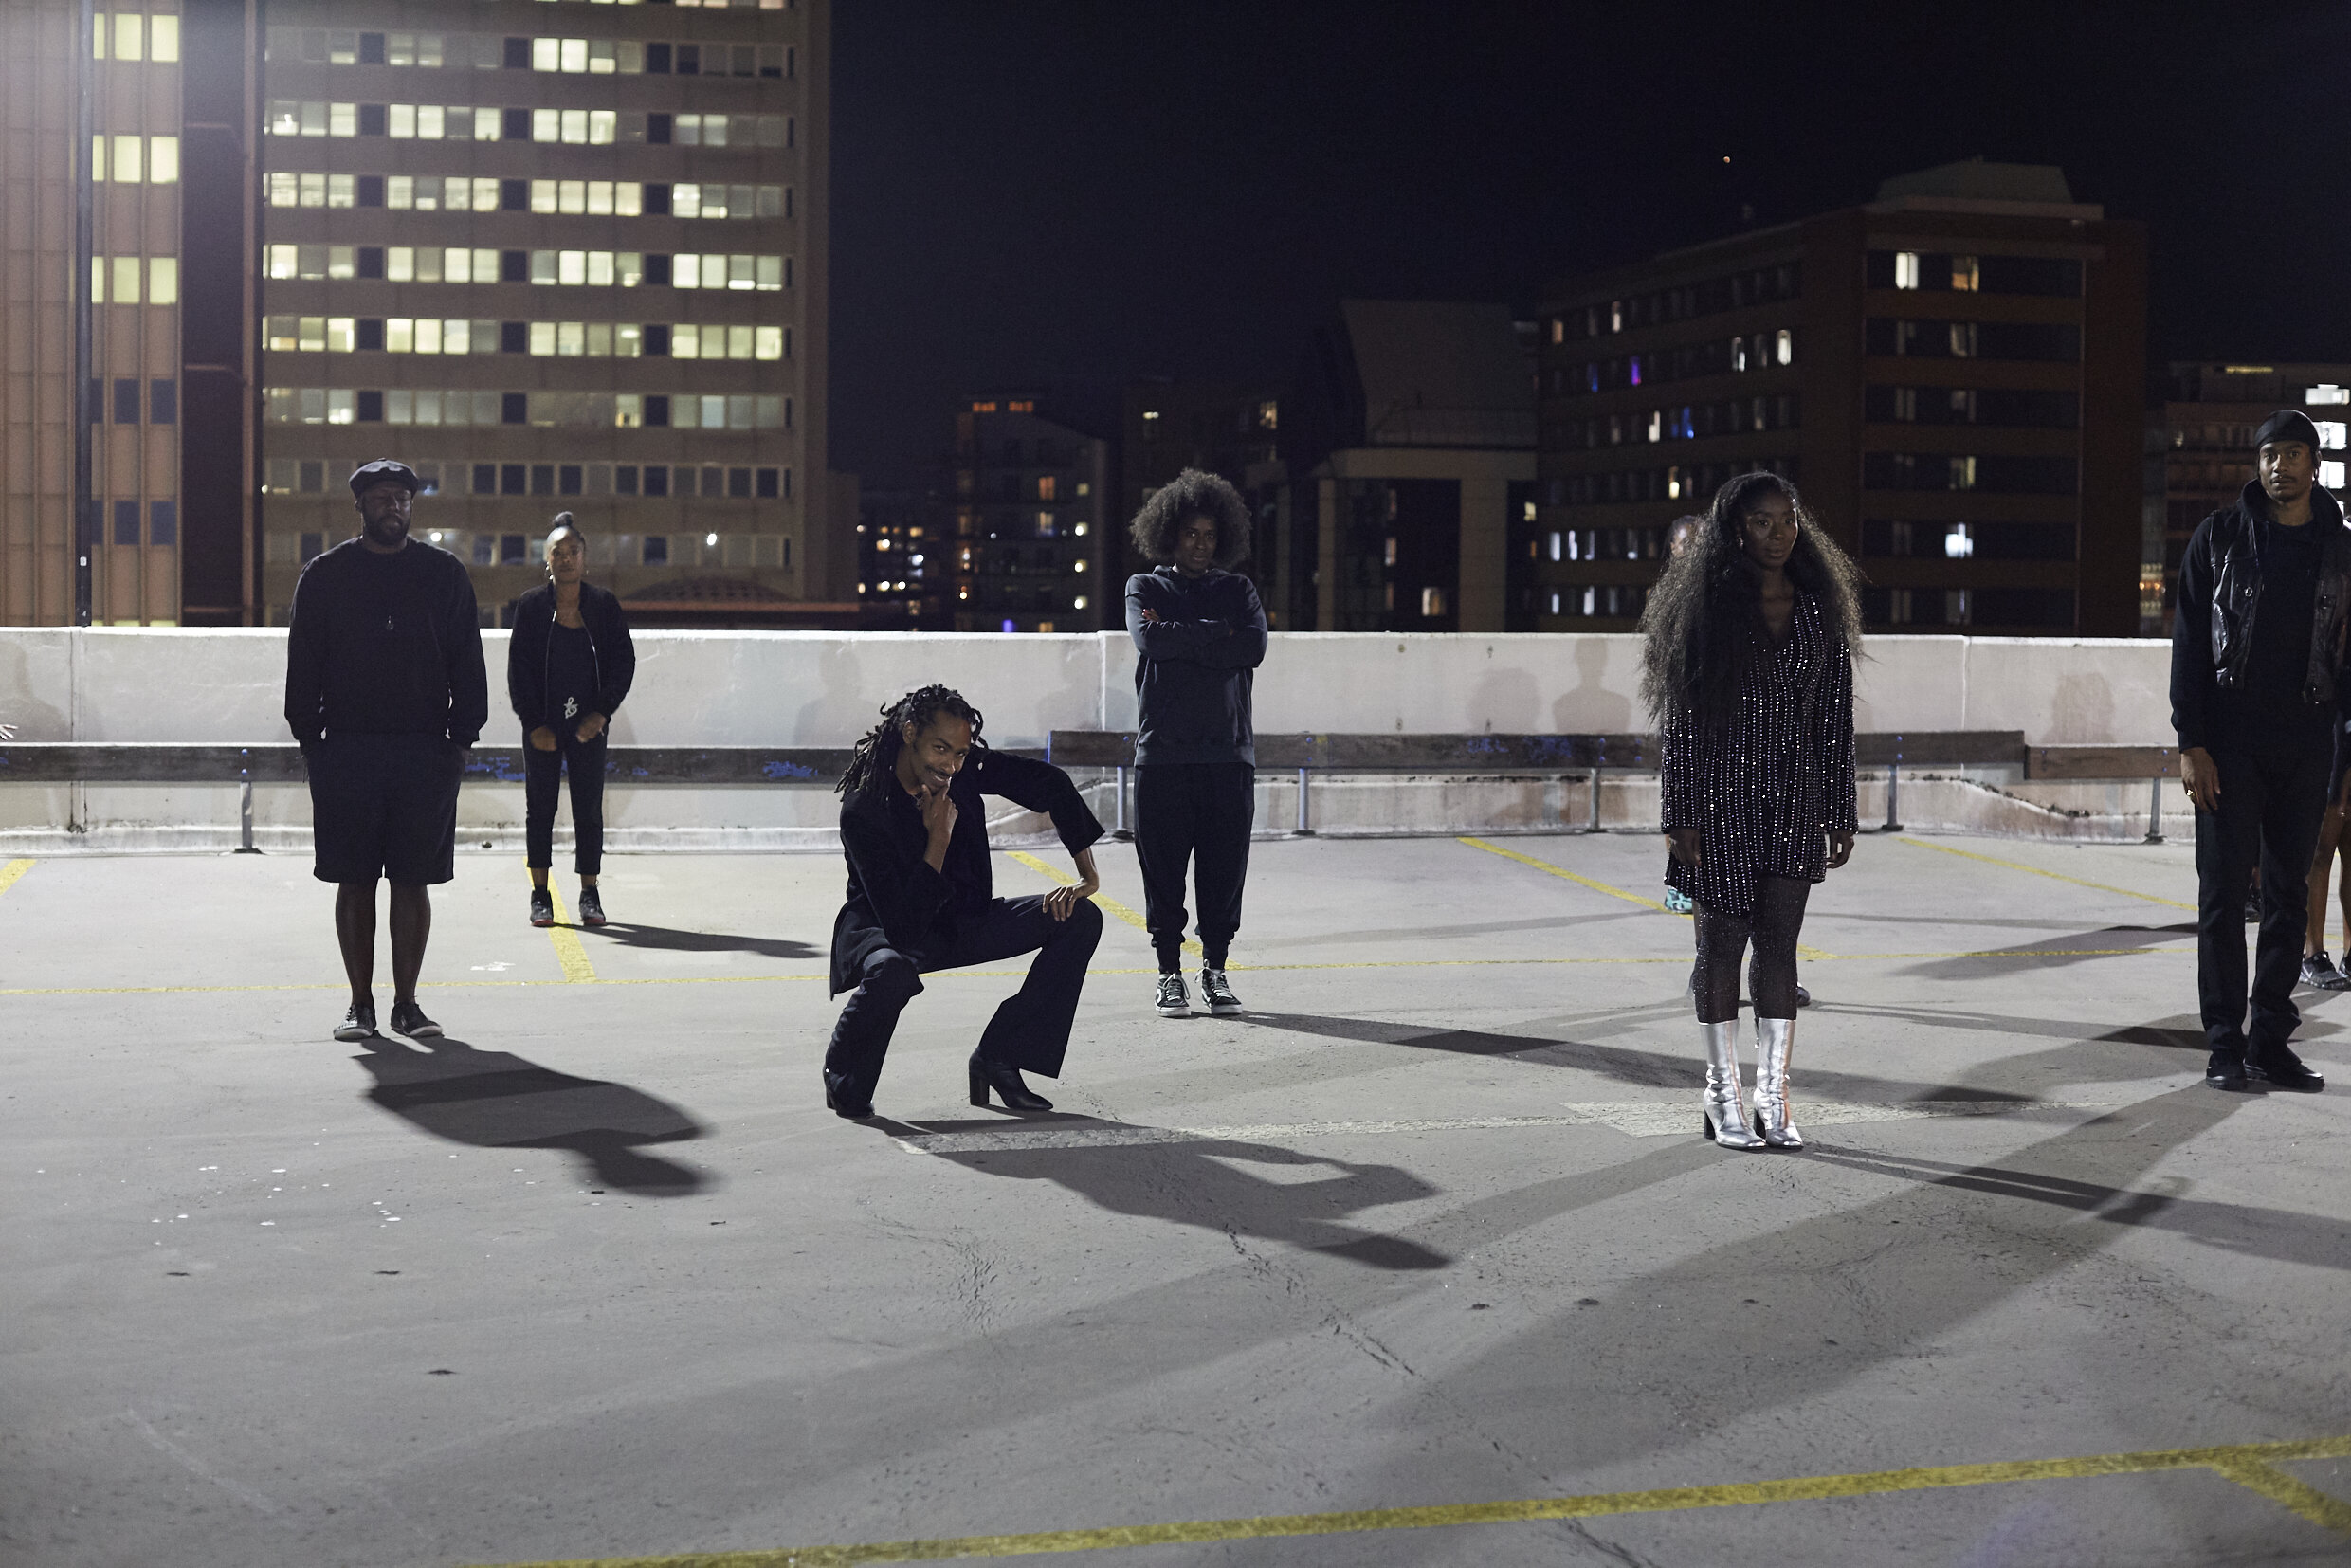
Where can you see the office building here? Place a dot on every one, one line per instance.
(1951, 374)
(903, 574)
(2200, 454)
(1409, 445)
(557, 257)
(1030, 503)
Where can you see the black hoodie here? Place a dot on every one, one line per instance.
(1193, 684)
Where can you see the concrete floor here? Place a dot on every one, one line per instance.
(598, 1276)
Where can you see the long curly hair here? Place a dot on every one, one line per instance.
(1193, 493)
(1705, 618)
(876, 756)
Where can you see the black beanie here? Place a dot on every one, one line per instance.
(2288, 425)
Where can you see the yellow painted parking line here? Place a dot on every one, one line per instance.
(2249, 1460)
(1597, 885)
(995, 973)
(2054, 876)
(12, 870)
(1108, 904)
(573, 958)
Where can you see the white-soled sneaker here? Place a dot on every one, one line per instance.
(1217, 995)
(1174, 1002)
(358, 1023)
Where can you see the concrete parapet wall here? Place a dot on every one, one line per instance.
(822, 689)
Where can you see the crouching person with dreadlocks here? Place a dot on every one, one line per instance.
(921, 897)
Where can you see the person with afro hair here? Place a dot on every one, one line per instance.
(1201, 635)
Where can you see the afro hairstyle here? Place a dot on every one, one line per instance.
(1192, 494)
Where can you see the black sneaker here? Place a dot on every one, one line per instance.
(358, 1023)
(409, 1019)
(1217, 995)
(2224, 1072)
(2318, 969)
(591, 907)
(2280, 1068)
(1174, 1001)
(542, 907)
(1803, 998)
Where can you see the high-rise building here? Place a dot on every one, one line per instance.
(557, 257)
(1952, 374)
(903, 557)
(2200, 455)
(1409, 443)
(1031, 500)
(1223, 428)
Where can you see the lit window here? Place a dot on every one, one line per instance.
(1787, 345)
(1906, 269)
(2331, 474)
(2331, 435)
(1960, 543)
(127, 271)
(163, 151)
(163, 39)
(2327, 391)
(1433, 601)
(127, 25)
(126, 159)
(1965, 276)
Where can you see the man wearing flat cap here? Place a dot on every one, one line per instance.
(2259, 697)
(385, 689)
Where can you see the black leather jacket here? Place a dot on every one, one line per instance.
(2220, 599)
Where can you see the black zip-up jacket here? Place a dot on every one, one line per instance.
(1194, 683)
(385, 645)
(2233, 686)
(526, 652)
(894, 896)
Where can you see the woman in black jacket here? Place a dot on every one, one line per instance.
(568, 667)
(1749, 672)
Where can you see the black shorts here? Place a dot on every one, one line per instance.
(385, 805)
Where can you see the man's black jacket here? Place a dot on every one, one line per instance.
(1193, 684)
(526, 654)
(895, 899)
(2214, 627)
(385, 645)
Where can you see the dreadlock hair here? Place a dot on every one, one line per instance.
(1705, 618)
(876, 756)
(1191, 494)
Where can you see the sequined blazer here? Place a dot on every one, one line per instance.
(1765, 784)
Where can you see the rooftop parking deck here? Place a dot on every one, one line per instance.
(1430, 1228)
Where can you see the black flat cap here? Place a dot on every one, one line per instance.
(2288, 425)
(385, 468)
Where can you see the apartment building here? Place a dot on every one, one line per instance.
(556, 256)
(1030, 503)
(1951, 374)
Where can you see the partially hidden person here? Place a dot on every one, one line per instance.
(568, 666)
(1200, 634)
(385, 689)
(921, 897)
(2259, 701)
(1748, 670)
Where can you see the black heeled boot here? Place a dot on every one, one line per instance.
(842, 1098)
(1006, 1081)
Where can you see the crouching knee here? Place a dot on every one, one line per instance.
(894, 976)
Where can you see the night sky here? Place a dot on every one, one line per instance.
(1066, 196)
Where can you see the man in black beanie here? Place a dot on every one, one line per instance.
(384, 689)
(2259, 696)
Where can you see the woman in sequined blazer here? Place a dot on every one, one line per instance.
(1748, 670)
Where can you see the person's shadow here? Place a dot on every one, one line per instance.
(496, 1101)
(670, 941)
(1222, 1184)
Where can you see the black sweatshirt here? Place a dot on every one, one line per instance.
(2263, 712)
(894, 896)
(385, 645)
(1193, 685)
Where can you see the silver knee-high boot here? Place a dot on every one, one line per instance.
(1725, 1115)
(1773, 1039)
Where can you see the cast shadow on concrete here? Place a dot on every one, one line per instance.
(2076, 947)
(493, 1100)
(1787, 1313)
(627, 934)
(1425, 934)
(1240, 1187)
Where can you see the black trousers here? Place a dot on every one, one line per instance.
(1031, 1030)
(2269, 809)
(1199, 812)
(541, 774)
